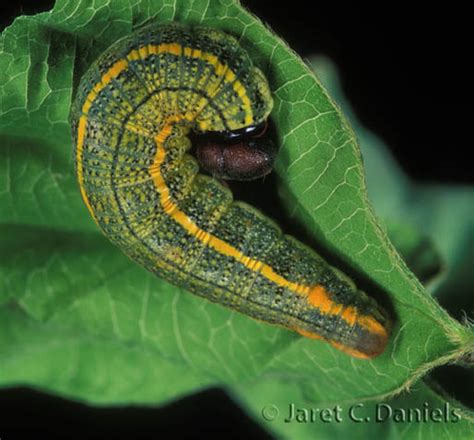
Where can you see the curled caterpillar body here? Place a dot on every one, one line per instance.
(133, 113)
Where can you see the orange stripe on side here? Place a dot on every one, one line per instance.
(319, 298)
(219, 245)
(351, 351)
(317, 295)
(372, 325)
(373, 351)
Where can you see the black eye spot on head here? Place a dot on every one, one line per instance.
(244, 154)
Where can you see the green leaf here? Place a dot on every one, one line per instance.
(413, 208)
(421, 414)
(423, 210)
(418, 251)
(80, 319)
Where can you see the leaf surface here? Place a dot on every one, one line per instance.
(74, 308)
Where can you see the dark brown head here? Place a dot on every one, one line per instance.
(244, 154)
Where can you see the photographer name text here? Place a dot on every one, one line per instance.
(362, 413)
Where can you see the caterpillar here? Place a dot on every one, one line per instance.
(134, 112)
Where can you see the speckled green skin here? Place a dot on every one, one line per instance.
(115, 161)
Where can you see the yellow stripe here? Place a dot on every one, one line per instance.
(220, 68)
(113, 72)
(317, 295)
(81, 130)
(219, 245)
(119, 66)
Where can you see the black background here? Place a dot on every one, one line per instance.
(406, 73)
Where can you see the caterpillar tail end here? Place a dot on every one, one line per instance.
(368, 339)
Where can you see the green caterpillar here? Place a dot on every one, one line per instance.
(134, 110)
